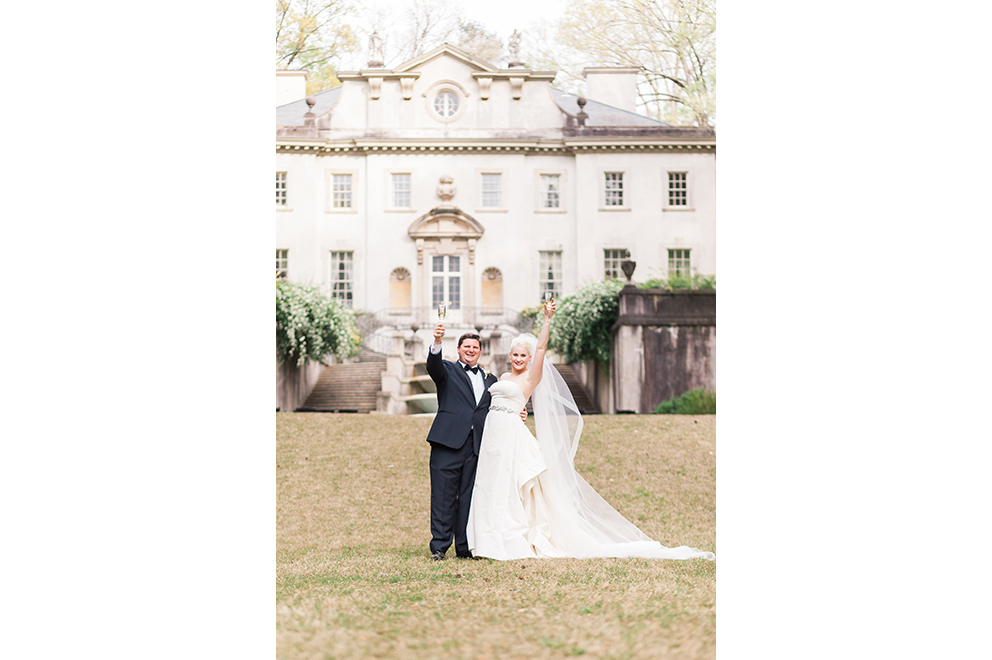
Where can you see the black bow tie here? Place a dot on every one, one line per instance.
(474, 370)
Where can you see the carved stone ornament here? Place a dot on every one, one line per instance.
(375, 51)
(406, 84)
(375, 87)
(446, 191)
(514, 46)
(516, 87)
(485, 84)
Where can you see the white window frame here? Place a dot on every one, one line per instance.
(624, 190)
(448, 279)
(282, 264)
(480, 174)
(611, 261)
(346, 291)
(550, 261)
(284, 205)
(687, 257)
(329, 191)
(667, 187)
(541, 195)
(393, 190)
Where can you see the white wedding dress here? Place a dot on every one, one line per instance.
(529, 502)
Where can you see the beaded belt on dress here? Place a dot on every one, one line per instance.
(505, 409)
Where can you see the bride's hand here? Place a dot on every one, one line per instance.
(549, 309)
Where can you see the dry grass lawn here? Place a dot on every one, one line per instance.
(354, 578)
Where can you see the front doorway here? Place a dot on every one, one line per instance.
(446, 285)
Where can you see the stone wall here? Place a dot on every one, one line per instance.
(294, 384)
(664, 344)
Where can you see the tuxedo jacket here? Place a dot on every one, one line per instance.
(457, 412)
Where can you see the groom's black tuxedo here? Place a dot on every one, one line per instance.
(457, 412)
(453, 458)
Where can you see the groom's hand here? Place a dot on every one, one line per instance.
(438, 333)
(523, 415)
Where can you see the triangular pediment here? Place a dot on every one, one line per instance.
(446, 50)
(446, 222)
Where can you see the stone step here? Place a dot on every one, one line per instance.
(348, 387)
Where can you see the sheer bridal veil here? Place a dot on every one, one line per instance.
(581, 521)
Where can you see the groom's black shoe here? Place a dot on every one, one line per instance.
(464, 555)
(438, 556)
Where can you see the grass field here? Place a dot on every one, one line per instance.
(354, 578)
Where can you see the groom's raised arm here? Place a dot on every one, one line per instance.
(434, 367)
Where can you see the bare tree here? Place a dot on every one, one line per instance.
(673, 42)
(429, 23)
(472, 37)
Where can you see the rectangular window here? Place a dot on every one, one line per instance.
(614, 189)
(342, 272)
(491, 191)
(678, 262)
(280, 189)
(401, 191)
(677, 188)
(282, 264)
(550, 191)
(342, 191)
(611, 262)
(446, 281)
(550, 277)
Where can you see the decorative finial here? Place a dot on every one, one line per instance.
(582, 116)
(309, 117)
(627, 266)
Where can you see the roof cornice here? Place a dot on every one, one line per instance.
(506, 74)
(359, 147)
(385, 74)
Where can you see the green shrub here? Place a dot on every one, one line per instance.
(694, 282)
(693, 402)
(309, 325)
(581, 326)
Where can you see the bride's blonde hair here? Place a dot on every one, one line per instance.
(527, 341)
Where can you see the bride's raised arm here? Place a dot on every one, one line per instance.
(537, 363)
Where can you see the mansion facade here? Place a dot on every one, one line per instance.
(447, 179)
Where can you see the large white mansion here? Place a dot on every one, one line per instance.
(448, 179)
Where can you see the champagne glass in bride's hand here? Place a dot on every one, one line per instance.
(549, 301)
(442, 309)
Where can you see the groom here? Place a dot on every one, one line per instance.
(455, 436)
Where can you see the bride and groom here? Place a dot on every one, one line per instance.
(503, 493)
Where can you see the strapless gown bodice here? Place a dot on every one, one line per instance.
(506, 397)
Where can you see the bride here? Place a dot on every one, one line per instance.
(528, 500)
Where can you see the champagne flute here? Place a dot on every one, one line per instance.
(442, 309)
(548, 297)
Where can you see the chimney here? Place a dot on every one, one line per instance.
(616, 86)
(291, 85)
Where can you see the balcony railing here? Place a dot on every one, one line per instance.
(497, 326)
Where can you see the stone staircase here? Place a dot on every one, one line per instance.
(348, 388)
(582, 398)
(352, 388)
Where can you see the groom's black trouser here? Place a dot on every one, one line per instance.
(452, 479)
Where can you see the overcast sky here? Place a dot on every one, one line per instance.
(503, 16)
